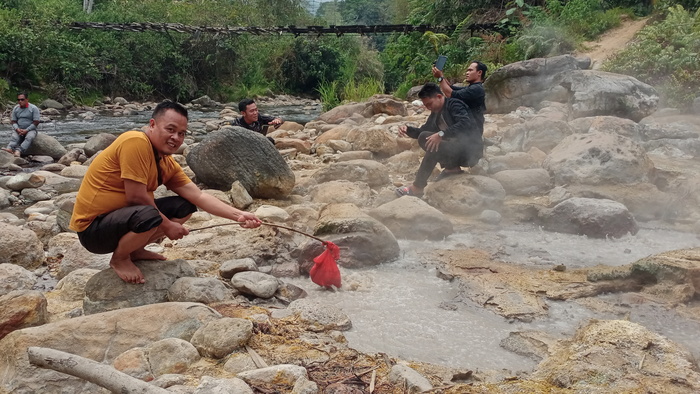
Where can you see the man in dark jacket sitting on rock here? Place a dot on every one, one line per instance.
(252, 120)
(450, 137)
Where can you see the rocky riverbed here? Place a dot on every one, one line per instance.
(566, 259)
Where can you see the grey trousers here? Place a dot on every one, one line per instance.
(21, 142)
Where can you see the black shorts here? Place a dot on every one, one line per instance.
(104, 233)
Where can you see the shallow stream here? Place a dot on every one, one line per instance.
(403, 309)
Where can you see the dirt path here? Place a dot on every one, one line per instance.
(612, 42)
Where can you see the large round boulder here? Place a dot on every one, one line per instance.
(363, 240)
(592, 217)
(20, 246)
(598, 158)
(465, 194)
(369, 171)
(46, 145)
(412, 218)
(237, 154)
(97, 143)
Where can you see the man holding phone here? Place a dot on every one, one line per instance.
(252, 120)
(473, 95)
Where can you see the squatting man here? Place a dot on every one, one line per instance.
(25, 119)
(115, 210)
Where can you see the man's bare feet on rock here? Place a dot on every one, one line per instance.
(143, 254)
(127, 271)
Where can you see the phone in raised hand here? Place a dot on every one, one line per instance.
(440, 62)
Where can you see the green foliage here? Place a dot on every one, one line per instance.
(328, 91)
(308, 62)
(666, 55)
(543, 40)
(586, 18)
(364, 89)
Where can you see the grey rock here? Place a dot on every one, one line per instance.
(365, 240)
(588, 216)
(598, 158)
(169, 379)
(103, 338)
(595, 92)
(341, 191)
(14, 277)
(412, 218)
(355, 155)
(239, 196)
(512, 161)
(204, 101)
(524, 182)
(20, 246)
(134, 362)
(321, 317)
(255, 283)
(489, 216)
(371, 172)
(231, 267)
(50, 103)
(46, 145)
(72, 286)
(32, 194)
(304, 386)
(236, 154)
(282, 376)
(97, 143)
(221, 337)
(73, 155)
(105, 291)
(209, 385)
(25, 180)
(204, 290)
(465, 194)
(239, 362)
(529, 82)
(532, 344)
(404, 375)
(171, 355)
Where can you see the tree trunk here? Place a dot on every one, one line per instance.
(100, 374)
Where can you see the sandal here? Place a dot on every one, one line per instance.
(444, 174)
(407, 191)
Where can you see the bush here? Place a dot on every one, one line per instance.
(308, 62)
(665, 55)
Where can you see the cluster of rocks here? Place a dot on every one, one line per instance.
(592, 156)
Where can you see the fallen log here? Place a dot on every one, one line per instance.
(100, 374)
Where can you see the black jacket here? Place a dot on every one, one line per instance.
(461, 128)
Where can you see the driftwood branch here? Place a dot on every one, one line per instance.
(100, 374)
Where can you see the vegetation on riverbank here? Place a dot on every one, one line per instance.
(38, 53)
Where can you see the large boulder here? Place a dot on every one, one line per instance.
(20, 309)
(339, 113)
(529, 82)
(100, 337)
(342, 191)
(20, 246)
(598, 158)
(13, 277)
(592, 217)
(376, 139)
(46, 145)
(364, 241)
(369, 171)
(627, 357)
(524, 182)
(105, 291)
(539, 132)
(595, 92)
(237, 154)
(97, 143)
(465, 194)
(412, 218)
(25, 180)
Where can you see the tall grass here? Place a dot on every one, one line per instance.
(329, 94)
(362, 90)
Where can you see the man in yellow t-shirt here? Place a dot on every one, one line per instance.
(115, 210)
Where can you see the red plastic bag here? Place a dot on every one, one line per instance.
(325, 271)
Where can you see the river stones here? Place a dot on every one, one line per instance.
(369, 171)
(14, 277)
(364, 241)
(97, 143)
(105, 291)
(20, 309)
(237, 154)
(20, 246)
(46, 145)
(412, 218)
(465, 194)
(595, 218)
(220, 338)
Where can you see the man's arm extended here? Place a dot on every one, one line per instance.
(213, 205)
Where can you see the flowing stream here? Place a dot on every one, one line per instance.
(403, 309)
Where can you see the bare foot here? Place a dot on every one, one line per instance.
(126, 270)
(143, 254)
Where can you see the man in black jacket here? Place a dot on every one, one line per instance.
(450, 137)
(473, 95)
(252, 120)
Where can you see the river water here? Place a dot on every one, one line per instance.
(403, 309)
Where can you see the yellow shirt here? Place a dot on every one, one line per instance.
(131, 157)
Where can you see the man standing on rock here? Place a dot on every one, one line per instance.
(115, 210)
(252, 120)
(450, 137)
(473, 95)
(25, 119)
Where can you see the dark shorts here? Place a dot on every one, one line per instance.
(104, 233)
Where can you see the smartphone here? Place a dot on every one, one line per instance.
(440, 62)
(266, 129)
